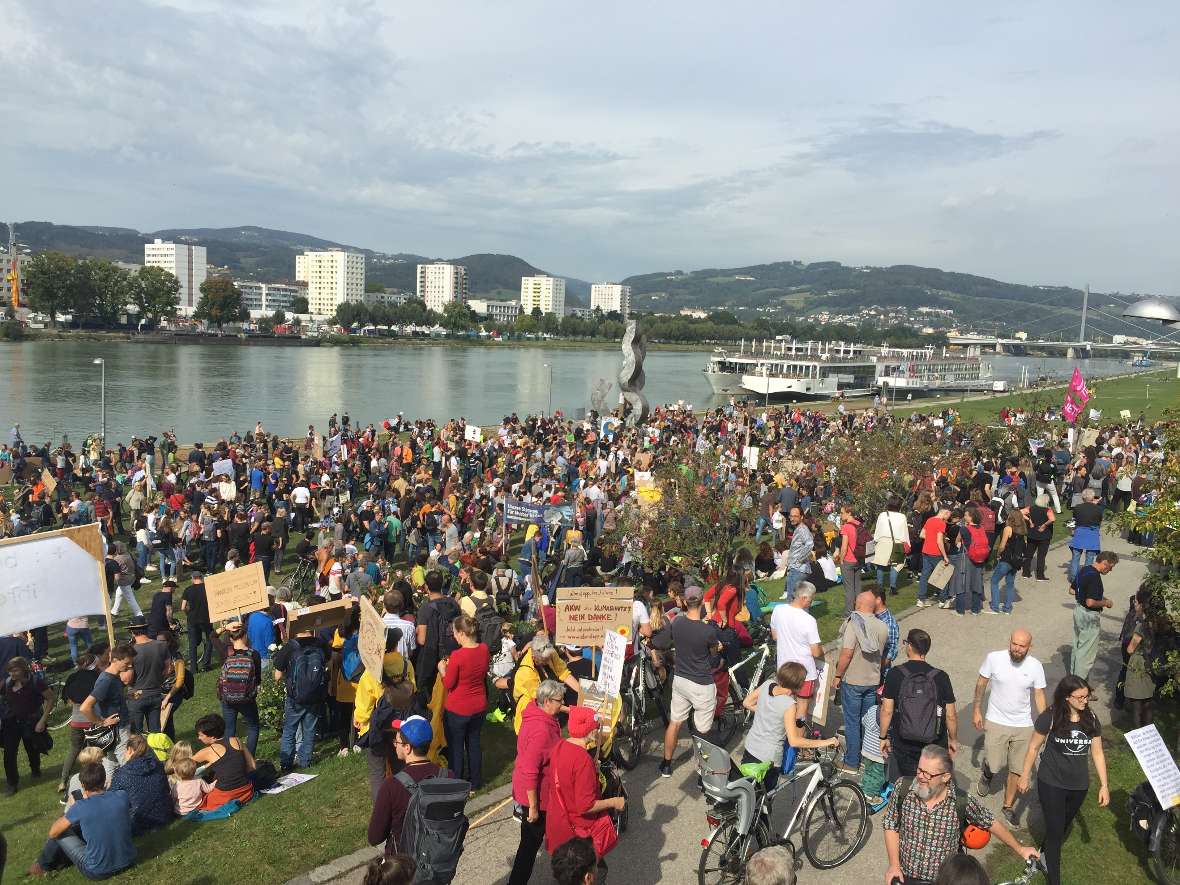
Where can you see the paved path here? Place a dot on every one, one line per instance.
(667, 815)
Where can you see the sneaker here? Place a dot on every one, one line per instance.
(143, 581)
(958, 614)
(356, 750)
(665, 768)
(150, 568)
(984, 784)
(1010, 816)
(988, 611)
(945, 604)
(1072, 524)
(921, 603)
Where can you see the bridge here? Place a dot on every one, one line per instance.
(977, 344)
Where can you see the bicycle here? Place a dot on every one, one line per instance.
(1159, 828)
(734, 716)
(642, 695)
(301, 582)
(831, 815)
(1031, 868)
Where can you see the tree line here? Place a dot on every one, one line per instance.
(96, 292)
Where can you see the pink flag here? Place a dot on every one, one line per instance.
(1070, 410)
(1077, 386)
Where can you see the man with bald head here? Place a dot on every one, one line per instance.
(1017, 681)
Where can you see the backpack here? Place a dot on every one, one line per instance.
(442, 614)
(863, 536)
(308, 676)
(350, 658)
(917, 706)
(236, 684)
(435, 825)
(979, 549)
(430, 522)
(489, 622)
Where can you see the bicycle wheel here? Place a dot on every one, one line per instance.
(628, 735)
(727, 724)
(723, 862)
(1165, 854)
(835, 825)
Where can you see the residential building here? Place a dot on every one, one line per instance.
(495, 311)
(268, 297)
(333, 278)
(187, 263)
(543, 292)
(609, 297)
(440, 283)
(390, 299)
(582, 313)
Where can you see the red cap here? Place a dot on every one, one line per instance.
(582, 722)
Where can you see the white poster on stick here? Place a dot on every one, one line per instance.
(51, 577)
(614, 653)
(237, 592)
(823, 694)
(473, 433)
(1157, 763)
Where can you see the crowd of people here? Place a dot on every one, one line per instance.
(412, 516)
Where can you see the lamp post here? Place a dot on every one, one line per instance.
(99, 361)
(549, 366)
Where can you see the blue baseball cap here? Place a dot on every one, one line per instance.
(415, 730)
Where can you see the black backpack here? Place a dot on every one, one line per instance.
(916, 719)
(435, 825)
(489, 622)
(442, 615)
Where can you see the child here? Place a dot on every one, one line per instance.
(872, 782)
(180, 750)
(188, 790)
(505, 658)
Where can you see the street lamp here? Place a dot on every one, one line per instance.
(549, 366)
(99, 361)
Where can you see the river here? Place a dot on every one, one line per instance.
(206, 392)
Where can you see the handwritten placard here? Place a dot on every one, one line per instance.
(823, 694)
(224, 467)
(237, 592)
(1157, 763)
(371, 641)
(316, 617)
(1089, 437)
(472, 433)
(614, 653)
(49, 481)
(583, 613)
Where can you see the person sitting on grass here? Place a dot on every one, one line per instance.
(188, 790)
(142, 777)
(86, 755)
(94, 834)
(228, 759)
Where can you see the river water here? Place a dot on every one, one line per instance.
(206, 392)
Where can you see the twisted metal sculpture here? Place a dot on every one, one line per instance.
(631, 377)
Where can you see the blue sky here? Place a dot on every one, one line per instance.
(1029, 142)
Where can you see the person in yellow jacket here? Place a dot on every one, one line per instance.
(541, 661)
(343, 693)
(398, 678)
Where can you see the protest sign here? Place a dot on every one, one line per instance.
(237, 592)
(562, 514)
(614, 652)
(49, 481)
(583, 613)
(644, 479)
(1125, 414)
(371, 641)
(792, 468)
(474, 434)
(1095, 414)
(823, 694)
(520, 511)
(5, 474)
(1089, 437)
(224, 467)
(1157, 763)
(750, 457)
(316, 617)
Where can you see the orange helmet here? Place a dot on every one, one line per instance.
(975, 837)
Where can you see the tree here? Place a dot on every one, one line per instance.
(457, 317)
(221, 303)
(299, 304)
(49, 283)
(103, 291)
(279, 318)
(156, 294)
(373, 286)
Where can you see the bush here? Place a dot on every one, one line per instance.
(271, 698)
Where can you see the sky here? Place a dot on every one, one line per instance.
(1033, 143)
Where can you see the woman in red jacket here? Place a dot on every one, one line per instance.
(539, 733)
(464, 676)
(571, 800)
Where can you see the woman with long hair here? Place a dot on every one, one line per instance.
(1011, 552)
(1071, 735)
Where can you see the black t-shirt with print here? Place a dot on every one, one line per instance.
(1065, 762)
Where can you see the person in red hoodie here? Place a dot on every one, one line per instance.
(464, 675)
(539, 733)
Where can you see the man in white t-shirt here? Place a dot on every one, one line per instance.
(1017, 682)
(300, 497)
(797, 635)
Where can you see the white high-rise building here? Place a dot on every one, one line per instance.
(439, 284)
(496, 311)
(187, 263)
(333, 278)
(268, 297)
(609, 297)
(546, 293)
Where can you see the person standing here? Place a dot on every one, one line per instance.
(847, 556)
(195, 604)
(464, 675)
(1090, 597)
(1039, 518)
(799, 553)
(107, 702)
(858, 672)
(796, 634)
(934, 550)
(697, 644)
(540, 732)
(145, 693)
(1015, 677)
(917, 708)
(1087, 538)
(237, 685)
(892, 530)
(302, 665)
(23, 695)
(1071, 736)
(1012, 552)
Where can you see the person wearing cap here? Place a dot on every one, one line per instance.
(697, 644)
(570, 794)
(145, 693)
(411, 742)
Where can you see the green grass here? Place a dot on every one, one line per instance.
(1100, 838)
(1150, 393)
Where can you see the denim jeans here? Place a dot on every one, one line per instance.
(73, 634)
(891, 572)
(249, 714)
(1075, 560)
(928, 564)
(144, 712)
(794, 576)
(855, 700)
(463, 750)
(143, 555)
(763, 522)
(301, 720)
(1004, 572)
(66, 849)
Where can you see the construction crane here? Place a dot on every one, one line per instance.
(13, 277)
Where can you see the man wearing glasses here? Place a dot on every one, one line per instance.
(924, 826)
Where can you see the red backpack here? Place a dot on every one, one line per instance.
(979, 549)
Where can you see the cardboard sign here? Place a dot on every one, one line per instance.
(792, 468)
(1157, 763)
(823, 693)
(644, 479)
(474, 434)
(316, 617)
(1125, 414)
(941, 576)
(750, 457)
(5, 474)
(224, 467)
(50, 482)
(520, 511)
(371, 640)
(614, 653)
(1089, 437)
(237, 592)
(583, 613)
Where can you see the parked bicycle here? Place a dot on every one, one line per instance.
(743, 676)
(1160, 828)
(1031, 868)
(830, 814)
(302, 581)
(642, 697)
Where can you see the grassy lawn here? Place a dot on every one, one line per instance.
(1150, 393)
(1101, 838)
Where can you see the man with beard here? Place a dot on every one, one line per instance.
(1017, 681)
(926, 817)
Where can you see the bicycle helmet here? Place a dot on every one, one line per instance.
(975, 837)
